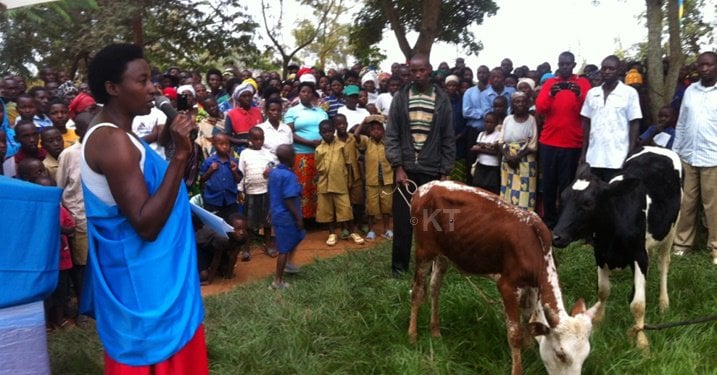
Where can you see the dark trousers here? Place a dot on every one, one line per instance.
(402, 226)
(558, 166)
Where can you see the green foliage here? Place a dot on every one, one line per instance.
(331, 45)
(454, 20)
(347, 316)
(65, 34)
(695, 33)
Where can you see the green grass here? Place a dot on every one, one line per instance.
(347, 316)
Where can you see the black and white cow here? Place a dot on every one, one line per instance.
(628, 218)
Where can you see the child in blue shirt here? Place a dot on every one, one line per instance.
(285, 209)
(663, 133)
(220, 176)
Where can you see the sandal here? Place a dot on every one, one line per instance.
(332, 240)
(356, 238)
(388, 235)
(345, 234)
(371, 236)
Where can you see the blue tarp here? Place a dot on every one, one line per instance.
(29, 241)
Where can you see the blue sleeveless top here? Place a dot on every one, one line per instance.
(144, 295)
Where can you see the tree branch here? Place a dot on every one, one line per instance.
(397, 26)
(268, 31)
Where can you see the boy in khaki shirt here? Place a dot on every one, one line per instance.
(379, 175)
(334, 205)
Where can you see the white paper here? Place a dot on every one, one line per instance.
(661, 139)
(214, 222)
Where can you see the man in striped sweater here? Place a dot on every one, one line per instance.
(419, 145)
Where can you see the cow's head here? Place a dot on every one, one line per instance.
(579, 203)
(564, 341)
(582, 203)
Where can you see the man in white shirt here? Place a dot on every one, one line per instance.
(696, 143)
(354, 114)
(149, 127)
(611, 120)
(383, 103)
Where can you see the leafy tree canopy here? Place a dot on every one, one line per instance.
(66, 33)
(454, 19)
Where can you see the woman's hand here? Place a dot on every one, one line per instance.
(181, 127)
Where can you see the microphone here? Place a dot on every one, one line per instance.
(165, 105)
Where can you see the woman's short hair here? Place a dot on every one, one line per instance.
(109, 65)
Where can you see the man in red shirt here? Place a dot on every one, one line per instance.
(242, 117)
(561, 138)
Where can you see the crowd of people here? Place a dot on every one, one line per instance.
(340, 148)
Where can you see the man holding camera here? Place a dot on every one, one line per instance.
(561, 138)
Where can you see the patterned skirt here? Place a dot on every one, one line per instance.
(305, 169)
(518, 186)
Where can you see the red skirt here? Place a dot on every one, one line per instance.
(305, 169)
(190, 360)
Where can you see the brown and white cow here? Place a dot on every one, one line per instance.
(627, 219)
(482, 235)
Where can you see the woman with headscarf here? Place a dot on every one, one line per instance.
(304, 119)
(81, 103)
(243, 117)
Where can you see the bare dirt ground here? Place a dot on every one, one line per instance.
(261, 265)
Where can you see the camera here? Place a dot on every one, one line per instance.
(564, 85)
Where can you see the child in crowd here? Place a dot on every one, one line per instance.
(30, 169)
(218, 255)
(59, 114)
(253, 162)
(353, 168)
(58, 300)
(27, 135)
(51, 141)
(26, 109)
(379, 175)
(275, 131)
(220, 176)
(486, 169)
(334, 205)
(500, 108)
(519, 145)
(209, 126)
(40, 95)
(286, 217)
(663, 133)
(68, 179)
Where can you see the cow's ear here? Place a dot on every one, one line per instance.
(578, 308)
(583, 171)
(620, 186)
(538, 329)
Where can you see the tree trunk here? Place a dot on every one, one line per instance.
(677, 57)
(429, 27)
(655, 74)
(398, 29)
(137, 32)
